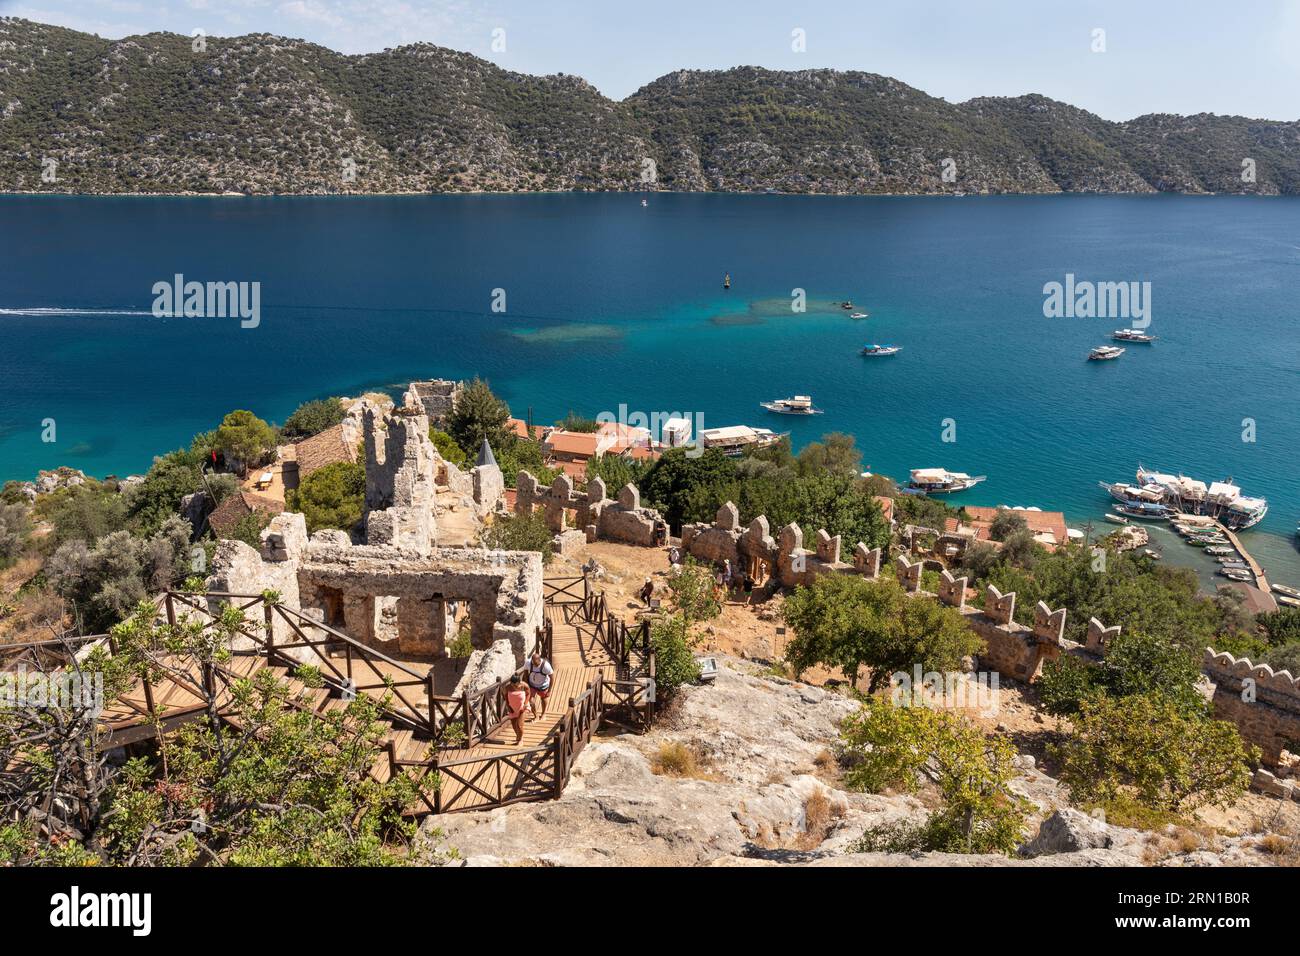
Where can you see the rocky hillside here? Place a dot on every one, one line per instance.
(765, 791)
(262, 114)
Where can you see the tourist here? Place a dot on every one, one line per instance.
(539, 682)
(661, 534)
(647, 591)
(516, 703)
(674, 556)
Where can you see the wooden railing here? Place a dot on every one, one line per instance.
(566, 591)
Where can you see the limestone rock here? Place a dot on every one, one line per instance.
(1068, 831)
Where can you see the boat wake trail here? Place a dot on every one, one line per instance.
(50, 311)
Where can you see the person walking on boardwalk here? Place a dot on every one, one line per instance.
(516, 703)
(539, 682)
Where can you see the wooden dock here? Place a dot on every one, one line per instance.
(1260, 596)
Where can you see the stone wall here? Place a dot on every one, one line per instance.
(623, 521)
(1263, 703)
(435, 398)
(401, 480)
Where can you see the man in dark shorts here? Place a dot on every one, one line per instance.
(539, 682)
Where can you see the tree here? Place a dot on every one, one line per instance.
(312, 418)
(519, 533)
(675, 662)
(244, 438)
(1151, 748)
(849, 622)
(14, 529)
(891, 746)
(479, 414)
(1005, 521)
(837, 453)
(158, 497)
(573, 422)
(332, 496)
(268, 784)
(106, 581)
(694, 591)
(1284, 658)
(83, 512)
(1281, 626)
(448, 448)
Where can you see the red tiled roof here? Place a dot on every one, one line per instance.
(322, 449)
(519, 427)
(238, 506)
(576, 444)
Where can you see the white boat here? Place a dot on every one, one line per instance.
(1288, 591)
(881, 349)
(1103, 353)
(858, 315)
(1131, 335)
(1196, 502)
(797, 405)
(1116, 519)
(941, 481)
(1288, 601)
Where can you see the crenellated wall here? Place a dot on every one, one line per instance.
(1263, 703)
(624, 520)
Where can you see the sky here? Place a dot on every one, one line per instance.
(1156, 56)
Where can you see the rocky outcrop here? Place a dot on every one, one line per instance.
(764, 792)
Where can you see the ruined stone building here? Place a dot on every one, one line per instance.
(393, 584)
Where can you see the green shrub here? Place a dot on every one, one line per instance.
(519, 533)
(693, 591)
(312, 418)
(675, 662)
(448, 448)
(331, 497)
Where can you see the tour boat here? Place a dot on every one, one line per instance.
(881, 349)
(1196, 502)
(941, 481)
(798, 405)
(1144, 510)
(1131, 335)
(1104, 353)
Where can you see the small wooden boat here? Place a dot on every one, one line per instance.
(1287, 591)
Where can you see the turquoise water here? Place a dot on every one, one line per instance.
(609, 303)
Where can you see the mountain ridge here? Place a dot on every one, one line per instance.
(263, 114)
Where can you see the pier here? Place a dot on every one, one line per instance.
(1260, 603)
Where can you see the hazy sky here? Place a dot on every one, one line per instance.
(1177, 56)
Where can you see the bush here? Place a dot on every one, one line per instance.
(331, 497)
(448, 448)
(312, 418)
(461, 646)
(1154, 749)
(153, 501)
(887, 746)
(519, 533)
(675, 662)
(106, 582)
(84, 512)
(694, 591)
(573, 422)
(1285, 658)
(14, 529)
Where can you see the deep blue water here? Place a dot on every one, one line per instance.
(610, 303)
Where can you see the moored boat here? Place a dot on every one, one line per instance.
(1131, 335)
(1103, 353)
(1284, 590)
(941, 481)
(796, 405)
(1116, 519)
(1200, 507)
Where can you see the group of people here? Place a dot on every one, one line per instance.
(528, 691)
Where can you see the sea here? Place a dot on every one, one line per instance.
(615, 303)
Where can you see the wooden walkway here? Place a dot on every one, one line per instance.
(470, 776)
(491, 769)
(1264, 601)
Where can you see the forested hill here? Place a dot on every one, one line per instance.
(265, 114)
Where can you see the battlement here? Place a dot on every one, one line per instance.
(1262, 702)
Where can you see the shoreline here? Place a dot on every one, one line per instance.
(632, 191)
